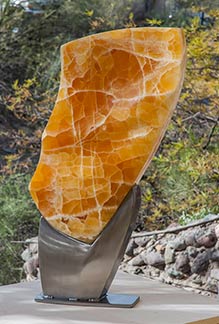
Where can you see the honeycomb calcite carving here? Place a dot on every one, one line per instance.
(117, 93)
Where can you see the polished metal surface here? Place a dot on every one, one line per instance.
(110, 300)
(73, 269)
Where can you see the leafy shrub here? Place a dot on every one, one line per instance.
(185, 218)
(18, 221)
(24, 113)
(183, 178)
(181, 181)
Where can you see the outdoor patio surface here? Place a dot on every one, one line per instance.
(159, 304)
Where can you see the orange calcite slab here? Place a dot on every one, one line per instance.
(117, 93)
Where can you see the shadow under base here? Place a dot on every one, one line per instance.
(110, 300)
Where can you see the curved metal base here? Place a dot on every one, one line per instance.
(73, 269)
(110, 300)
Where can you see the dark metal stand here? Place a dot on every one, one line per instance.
(78, 273)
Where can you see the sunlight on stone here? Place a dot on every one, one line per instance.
(117, 93)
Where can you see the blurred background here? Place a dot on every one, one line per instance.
(182, 182)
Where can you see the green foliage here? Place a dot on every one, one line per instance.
(18, 218)
(182, 181)
(154, 22)
(24, 112)
(185, 218)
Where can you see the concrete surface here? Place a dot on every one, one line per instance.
(159, 304)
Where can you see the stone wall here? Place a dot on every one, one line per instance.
(182, 256)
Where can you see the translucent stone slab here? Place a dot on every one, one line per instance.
(117, 93)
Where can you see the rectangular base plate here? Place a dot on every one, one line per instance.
(110, 300)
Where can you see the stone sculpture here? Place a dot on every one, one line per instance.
(117, 93)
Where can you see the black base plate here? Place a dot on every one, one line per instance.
(110, 300)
